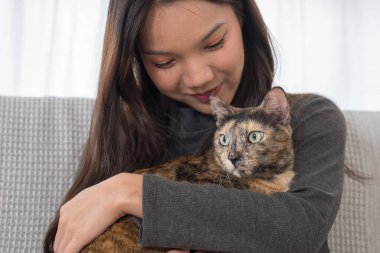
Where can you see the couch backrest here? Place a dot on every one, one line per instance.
(40, 146)
(41, 140)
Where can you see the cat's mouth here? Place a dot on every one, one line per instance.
(236, 173)
(237, 168)
(240, 172)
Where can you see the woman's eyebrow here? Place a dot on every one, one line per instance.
(155, 52)
(215, 28)
(212, 31)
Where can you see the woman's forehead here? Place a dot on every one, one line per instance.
(181, 21)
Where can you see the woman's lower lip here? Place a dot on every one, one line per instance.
(203, 98)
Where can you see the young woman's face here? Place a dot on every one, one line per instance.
(191, 49)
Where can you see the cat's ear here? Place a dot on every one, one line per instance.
(220, 109)
(276, 102)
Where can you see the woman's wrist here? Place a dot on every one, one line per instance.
(129, 194)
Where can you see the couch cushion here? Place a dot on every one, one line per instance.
(357, 227)
(40, 144)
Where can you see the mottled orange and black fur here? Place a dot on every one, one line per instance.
(252, 150)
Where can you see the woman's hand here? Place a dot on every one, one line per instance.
(94, 209)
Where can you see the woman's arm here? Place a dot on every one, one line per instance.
(90, 212)
(209, 217)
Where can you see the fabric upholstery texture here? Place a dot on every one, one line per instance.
(40, 145)
(41, 140)
(357, 227)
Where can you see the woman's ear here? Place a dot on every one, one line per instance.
(241, 21)
(136, 70)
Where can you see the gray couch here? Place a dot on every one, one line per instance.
(41, 140)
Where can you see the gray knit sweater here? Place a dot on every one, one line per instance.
(212, 218)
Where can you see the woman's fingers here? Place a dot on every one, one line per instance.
(58, 237)
(75, 229)
(90, 213)
(68, 245)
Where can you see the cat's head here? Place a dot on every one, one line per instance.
(254, 141)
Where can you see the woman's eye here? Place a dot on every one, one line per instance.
(255, 137)
(223, 140)
(165, 65)
(216, 45)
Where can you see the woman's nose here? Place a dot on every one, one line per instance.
(196, 74)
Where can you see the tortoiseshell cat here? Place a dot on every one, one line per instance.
(252, 150)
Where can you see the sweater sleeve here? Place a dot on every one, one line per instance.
(212, 218)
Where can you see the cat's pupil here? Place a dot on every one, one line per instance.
(255, 137)
(223, 140)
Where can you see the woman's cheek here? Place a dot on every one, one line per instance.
(230, 58)
(164, 79)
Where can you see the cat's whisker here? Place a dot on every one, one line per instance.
(224, 177)
(228, 177)
(217, 179)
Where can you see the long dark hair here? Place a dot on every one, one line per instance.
(128, 124)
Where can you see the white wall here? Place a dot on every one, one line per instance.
(330, 47)
(51, 47)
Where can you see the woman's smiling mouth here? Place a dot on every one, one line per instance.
(203, 97)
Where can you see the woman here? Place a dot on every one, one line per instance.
(161, 60)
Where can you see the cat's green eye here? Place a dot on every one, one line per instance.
(255, 137)
(223, 140)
